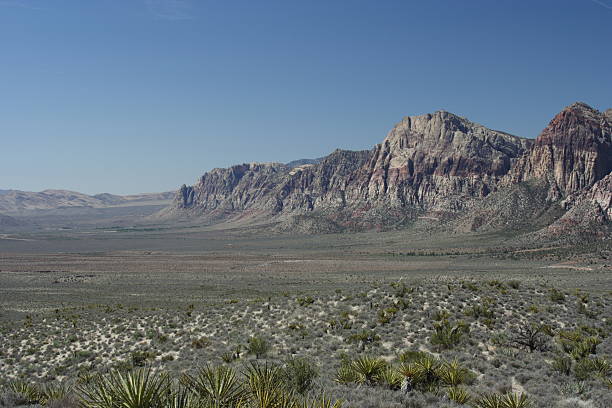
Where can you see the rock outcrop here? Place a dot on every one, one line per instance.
(572, 153)
(436, 161)
(436, 166)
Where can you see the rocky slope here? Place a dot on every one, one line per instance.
(436, 167)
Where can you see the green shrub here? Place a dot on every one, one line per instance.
(562, 364)
(258, 346)
(447, 336)
(299, 374)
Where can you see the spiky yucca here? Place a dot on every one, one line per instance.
(346, 375)
(218, 386)
(515, 400)
(266, 388)
(53, 391)
(27, 390)
(488, 401)
(458, 395)
(509, 400)
(452, 374)
(132, 389)
(391, 378)
(368, 369)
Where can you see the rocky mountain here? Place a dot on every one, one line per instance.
(572, 153)
(15, 201)
(438, 167)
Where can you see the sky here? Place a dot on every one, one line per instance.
(130, 96)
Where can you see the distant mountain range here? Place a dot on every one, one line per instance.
(16, 201)
(437, 170)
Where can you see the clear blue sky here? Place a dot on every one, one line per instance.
(128, 96)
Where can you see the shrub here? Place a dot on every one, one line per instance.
(529, 337)
(305, 301)
(200, 343)
(299, 374)
(364, 338)
(446, 336)
(258, 346)
(562, 364)
(556, 296)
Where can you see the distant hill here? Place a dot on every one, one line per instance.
(15, 201)
(438, 170)
(6, 221)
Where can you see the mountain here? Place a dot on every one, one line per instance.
(436, 168)
(572, 153)
(15, 201)
(6, 221)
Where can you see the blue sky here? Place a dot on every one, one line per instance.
(128, 96)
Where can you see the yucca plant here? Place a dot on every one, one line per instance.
(488, 401)
(133, 389)
(588, 367)
(27, 390)
(452, 374)
(427, 377)
(390, 378)
(346, 375)
(509, 400)
(53, 391)
(96, 393)
(446, 336)
(266, 388)
(458, 395)
(601, 366)
(183, 398)
(562, 364)
(515, 400)
(218, 386)
(368, 368)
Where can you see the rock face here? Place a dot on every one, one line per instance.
(573, 152)
(265, 189)
(438, 166)
(435, 161)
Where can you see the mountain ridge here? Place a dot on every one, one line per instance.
(434, 166)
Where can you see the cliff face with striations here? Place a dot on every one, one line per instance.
(436, 165)
(572, 153)
(435, 161)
